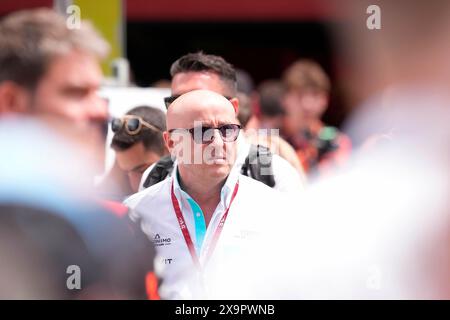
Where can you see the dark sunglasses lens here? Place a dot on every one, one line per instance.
(207, 134)
(132, 125)
(229, 132)
(202, 135)
(116, 124)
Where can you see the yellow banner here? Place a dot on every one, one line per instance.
(108, 18)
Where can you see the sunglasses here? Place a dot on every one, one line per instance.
(133, 124)
(205, 135)
(168, 100)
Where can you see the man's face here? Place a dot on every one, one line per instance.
(68, 91)
(205, 161)
(302, 108)
(134, 161)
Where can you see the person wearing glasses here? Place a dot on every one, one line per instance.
(206, 212)
(138, 141)
(210, 72)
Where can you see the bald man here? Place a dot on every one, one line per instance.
(206, 212)
(195, 71)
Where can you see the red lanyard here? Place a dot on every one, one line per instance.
(185, 231)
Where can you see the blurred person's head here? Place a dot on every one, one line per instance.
(271, 94)
(399, 78)
(161, 83)
(137, 150)
(245, 109)
(410, 48)
(306, 99)
(49, 70)
(204, 154)
(244, 82)
(198, 70)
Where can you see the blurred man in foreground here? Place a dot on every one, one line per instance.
(52, 131)
(53, 72)
(380, 228)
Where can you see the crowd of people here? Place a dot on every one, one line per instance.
(236, 191)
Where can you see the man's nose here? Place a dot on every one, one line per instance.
(97, 108)
(218, 145)
(217, 140)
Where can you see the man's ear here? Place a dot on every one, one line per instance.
(13, 98)
(235, 102)
(168, 141)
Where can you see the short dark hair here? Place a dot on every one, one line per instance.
(245, 109)
(245, 83)
(152, 139)
(270, 96)
(199, 61)
(30, 39)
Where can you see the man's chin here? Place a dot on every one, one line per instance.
(217, 170)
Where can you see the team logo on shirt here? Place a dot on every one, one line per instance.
(158, 241)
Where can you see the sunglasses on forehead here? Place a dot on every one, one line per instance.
(168, 100)
(133, 124)
(205, 134)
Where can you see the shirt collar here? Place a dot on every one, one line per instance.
(225, 193)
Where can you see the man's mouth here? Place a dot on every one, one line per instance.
(218, 160)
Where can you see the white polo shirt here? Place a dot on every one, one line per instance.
(248, 219)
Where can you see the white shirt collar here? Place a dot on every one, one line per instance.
(226, 191)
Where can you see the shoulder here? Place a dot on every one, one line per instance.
(252, 187)
(256, 190)
(256, 203)
(287, 178)
(153, 193)
(144, 176)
